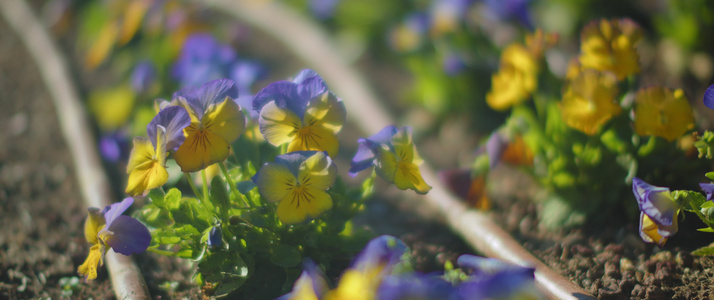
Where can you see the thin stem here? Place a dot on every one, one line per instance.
(205, 184)
(232, 184)
(193, 186)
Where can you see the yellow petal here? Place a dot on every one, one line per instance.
(315, 138)
(103, 44)
(317, 172)
(146, 171)
(226, 120)
(662, 112)
(354, 286)
(386, 166)
(650, 231)
(326, 111)
(303, 203)
(275, 182)
(94, 223)
(409, 177)
(133, 15)
(201, 148)
(278, 125)
(94, 259)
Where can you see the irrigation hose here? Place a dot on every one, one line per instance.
(309, 42)
(126, 278)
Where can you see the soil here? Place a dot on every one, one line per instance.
(42, 240)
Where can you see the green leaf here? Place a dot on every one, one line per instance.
(706, 229)
(710, 175)
(228, 286)
(704, 251)
(154, 216)
(219, 195)
(172, 200)
(286, 256)
(157, 197)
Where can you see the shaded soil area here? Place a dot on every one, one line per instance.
(42, 239)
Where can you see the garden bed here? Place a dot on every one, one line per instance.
(43, 242)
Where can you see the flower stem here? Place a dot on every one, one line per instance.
(193, 186)
(232, 185)
(205, 184)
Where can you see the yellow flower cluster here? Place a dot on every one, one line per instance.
(516, 78)
(609, 45)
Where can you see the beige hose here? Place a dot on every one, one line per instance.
(126, 278)
(310, 43)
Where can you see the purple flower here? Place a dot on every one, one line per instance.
(511, 9)
(173, 119)
(323, 9)
(198, 99)
(202, 59)
(708, 189)
(302, 113)
(143, 76)
(109, 228)
(311, 282)
(382, 252)
(495, 279)
(368, 148)
(114, 146)
(709, 97)
(658, 212)
(495, 146)
(414, 286)
(293, 95)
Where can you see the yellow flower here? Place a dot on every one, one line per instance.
(216, 121)
(298, 182)
(661, 112)
(516, 79)
(399, 162)
(147, 161)
(610, 46)
(590, 101)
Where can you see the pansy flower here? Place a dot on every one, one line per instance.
(708, 189)
(216, 121)
(108, 228)
(311, 284)
(662, 112)
(495, 279)
(658, 212)
(302, 113)
(147, 161)
(610, 46)
(377, 260)
(298, 182)
(516, 79)
(709, 97)
(394, 156)
(590, 101)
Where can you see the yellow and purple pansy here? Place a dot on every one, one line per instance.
(495, 279)
(393, 154)
(147, 161)
(298, 181)
(658, 211)
(302, 113)
(216, 121)
(108, 228)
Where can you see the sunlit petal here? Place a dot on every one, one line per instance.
(93, 224)
(275, 181)
(327, 111)
(409, 177)
(318, 172)
(226, 121)
(201, 149)
(145, 171)
(278, 125)
(315, 138)
(303, 203)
